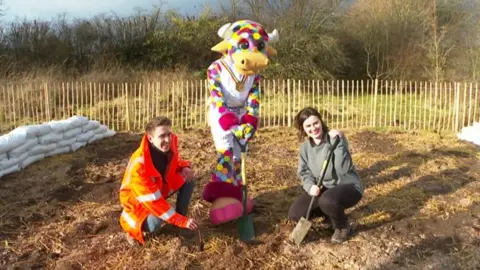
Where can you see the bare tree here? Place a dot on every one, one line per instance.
(437, 54)
(465, 59)
(233, 9)
(2, 8)
(387, 32)
(450, 32)
(308, 41)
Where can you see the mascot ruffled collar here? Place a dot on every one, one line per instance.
(246, 46)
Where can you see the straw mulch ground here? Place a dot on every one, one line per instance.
(421, 209)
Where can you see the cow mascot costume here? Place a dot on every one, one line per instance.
(233, 110)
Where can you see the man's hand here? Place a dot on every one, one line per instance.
(314, 191)
(187, 174)
(192, 224)
(334, 133)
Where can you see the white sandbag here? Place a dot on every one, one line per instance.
(58, 151)
(470, 134)
(96, 137)
(50, 138)
(12, 140)
(3, 156)
(42, 149)
(9, 170)
(92, 125)
(100, 136)
(109, 133)
(72, 133)
(101, 129)
(77, 146)
(6, 163)
(77, 121)
(67, 142)
(85, 136)
(60, 126)
(34, 130)
(29, 144)
(31, 159)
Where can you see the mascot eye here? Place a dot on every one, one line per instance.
(261, 45)
(244, 44)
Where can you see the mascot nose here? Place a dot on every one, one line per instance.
(254, 64)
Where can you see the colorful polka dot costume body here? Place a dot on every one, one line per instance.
(233, 82)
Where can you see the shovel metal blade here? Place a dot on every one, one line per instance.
(246, 227)
(300, 231)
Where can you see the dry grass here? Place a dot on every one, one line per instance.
(111, 74)
(421, 208)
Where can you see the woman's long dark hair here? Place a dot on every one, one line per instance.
(302, 116)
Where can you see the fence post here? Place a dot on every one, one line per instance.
(47, 102)
(289, 104)
(14, 111)
(207, 100)
(374, 115)
(127, 113)
(457, 106)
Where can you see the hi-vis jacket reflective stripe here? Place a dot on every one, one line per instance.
(143, 191)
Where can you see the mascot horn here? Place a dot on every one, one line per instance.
(233, 110)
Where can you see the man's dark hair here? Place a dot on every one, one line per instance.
(156, 122)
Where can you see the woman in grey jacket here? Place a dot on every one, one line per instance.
(341, 187)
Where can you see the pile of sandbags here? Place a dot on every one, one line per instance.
(28, 144)
(470, 134)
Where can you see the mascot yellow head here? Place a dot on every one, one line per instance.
(247, 44)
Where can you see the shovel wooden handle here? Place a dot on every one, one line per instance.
(322, 173)
(243, 155)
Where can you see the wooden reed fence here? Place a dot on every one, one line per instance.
(408, 105)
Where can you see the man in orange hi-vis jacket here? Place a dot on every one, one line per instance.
(156, 171)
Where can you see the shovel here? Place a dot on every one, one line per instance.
(245, 222)
(303, 225)
(200, 241)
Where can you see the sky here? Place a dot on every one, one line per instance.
(47, 9)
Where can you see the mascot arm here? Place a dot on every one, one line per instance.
(253, 104)
(225, 118)
(249, 121)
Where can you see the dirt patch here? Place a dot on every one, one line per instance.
(63, 193)
(371, 142)
(421, 209)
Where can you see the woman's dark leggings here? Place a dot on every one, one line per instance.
(331, 202)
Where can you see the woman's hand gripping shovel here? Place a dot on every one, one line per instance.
(303, 225)
(245, 222)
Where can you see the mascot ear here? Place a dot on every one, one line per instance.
(221, 47)
(271, 51)
(273, 37)
(224, 31)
